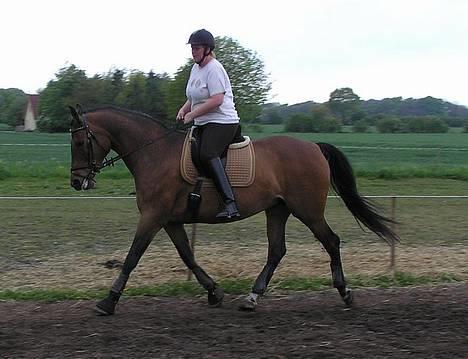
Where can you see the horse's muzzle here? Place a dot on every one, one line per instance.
(82, 183)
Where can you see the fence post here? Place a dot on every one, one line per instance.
(192, 240)
(392, 243)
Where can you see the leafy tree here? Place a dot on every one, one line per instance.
(55, 98)
(12, 106)
(425, 125)
(156, 95)
(320, 119)
(272, 116)
(176, 89)
(133, 94)
(466, 127)
(360, 126)
(344, 103)
(299, 122)
(324, 120)
(389, 125)
(246, 71)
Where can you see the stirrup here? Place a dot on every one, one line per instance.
(230, 210)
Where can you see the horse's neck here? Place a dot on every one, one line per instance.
(132, 138)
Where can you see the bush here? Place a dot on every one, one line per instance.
(389, 125)
(426, 125)
(299, 122)
(5, 127)
(361, 126)
(46, 124)
(466, 127)
(254, 127)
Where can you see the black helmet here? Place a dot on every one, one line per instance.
(202, 37)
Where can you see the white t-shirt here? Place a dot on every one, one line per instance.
(206, 81)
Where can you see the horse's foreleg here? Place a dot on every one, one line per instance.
(146, 231)
(331, 243)
(276, 222)
(178, 236)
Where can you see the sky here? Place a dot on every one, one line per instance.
(379, 48)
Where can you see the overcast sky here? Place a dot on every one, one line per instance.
(379, 48)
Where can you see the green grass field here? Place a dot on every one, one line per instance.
(373, 155)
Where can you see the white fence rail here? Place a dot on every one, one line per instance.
(393, 216)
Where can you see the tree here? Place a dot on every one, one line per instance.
(344, 103)
(176, 89)
(427, 124)
(133, 94)
(12, 106)
(249, 81)
(389, 125)
(156, 92)
(361, 126)
(320, 119)
(55, 98)
(299, 122)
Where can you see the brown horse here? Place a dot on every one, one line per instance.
(291, 177)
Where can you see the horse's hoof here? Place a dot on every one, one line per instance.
(248, 305)
(215, 297)
(105, 307)
(348, 298)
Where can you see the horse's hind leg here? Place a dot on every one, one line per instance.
(331, 243)
(276, 222)
(178, 236)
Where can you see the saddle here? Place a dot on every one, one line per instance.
(240, 163)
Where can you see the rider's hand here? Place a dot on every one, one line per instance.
(188, 117)
(180, 115)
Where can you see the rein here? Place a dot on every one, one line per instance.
(93, 166)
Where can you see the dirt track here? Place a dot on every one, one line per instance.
(425, 322)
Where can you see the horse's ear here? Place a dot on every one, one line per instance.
(74, 113)
(79, 109)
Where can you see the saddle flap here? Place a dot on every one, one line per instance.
(240, 166)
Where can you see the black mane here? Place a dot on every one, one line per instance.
(129, 112)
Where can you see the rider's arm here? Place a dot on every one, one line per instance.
(209, 105)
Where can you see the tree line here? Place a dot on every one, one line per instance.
(344, 107)
(156, 94)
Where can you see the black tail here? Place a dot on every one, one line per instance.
(344, 184)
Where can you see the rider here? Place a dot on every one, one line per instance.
(210, 105)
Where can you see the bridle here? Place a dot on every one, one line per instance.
(93, 166)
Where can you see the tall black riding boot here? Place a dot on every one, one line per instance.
(224, 188)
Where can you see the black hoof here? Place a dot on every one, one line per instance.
(215, 297)
(348, 298)
(105, 307)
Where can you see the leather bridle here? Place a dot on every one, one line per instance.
(93, 166)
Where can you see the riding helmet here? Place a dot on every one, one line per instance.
(202, 37)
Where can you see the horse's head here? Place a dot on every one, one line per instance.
(88, 149)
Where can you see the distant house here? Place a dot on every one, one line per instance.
(30, 115)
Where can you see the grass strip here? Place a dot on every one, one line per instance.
(236, 287)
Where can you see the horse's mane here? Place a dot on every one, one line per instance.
(132, 113)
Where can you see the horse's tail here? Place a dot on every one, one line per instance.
(344, 184)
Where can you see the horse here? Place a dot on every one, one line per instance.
(292, 177)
